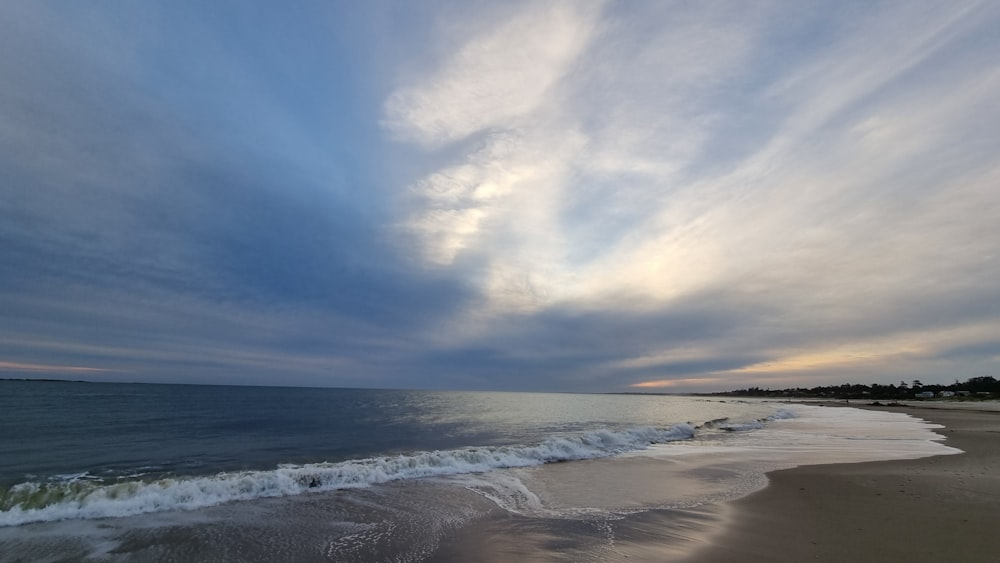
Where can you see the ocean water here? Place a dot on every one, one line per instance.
(117, 472)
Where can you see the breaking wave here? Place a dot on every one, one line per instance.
(753, 425)
(87, 498)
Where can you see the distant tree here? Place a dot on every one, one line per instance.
(983, 384)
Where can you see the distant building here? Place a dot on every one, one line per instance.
(946, 394)
(963, 393)
(925, 395)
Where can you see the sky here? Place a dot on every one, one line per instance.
(571, 196)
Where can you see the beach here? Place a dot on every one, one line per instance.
(938, 508)
(491, 477)
(941, 508)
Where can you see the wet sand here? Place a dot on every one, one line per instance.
(942, 508)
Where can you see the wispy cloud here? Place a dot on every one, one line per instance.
(47, 368)
(497, 79)
(816, 192)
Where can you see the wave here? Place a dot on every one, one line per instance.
(752, 425)
(84, 498)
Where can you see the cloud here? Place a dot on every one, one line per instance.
(497, 78)
(510, 201)
(834, 216)
(146, 240)
(537, 195)
(46, 368)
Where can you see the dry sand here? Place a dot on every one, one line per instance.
(943, 508)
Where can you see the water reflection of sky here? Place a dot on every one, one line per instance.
(530, 417)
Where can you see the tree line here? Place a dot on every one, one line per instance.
(975, 387)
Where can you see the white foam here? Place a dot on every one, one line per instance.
(794, 435)
(718, 466)
(38, 502)
(780, 414)
(809, 435)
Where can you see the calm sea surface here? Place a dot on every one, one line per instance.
(150, 472)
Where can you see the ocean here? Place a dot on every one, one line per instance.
(140, 472)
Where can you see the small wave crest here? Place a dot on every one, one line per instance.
(780, 414)
(79, 498)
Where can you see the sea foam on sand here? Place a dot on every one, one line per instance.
(714, 466)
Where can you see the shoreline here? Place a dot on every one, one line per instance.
(939, 508)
